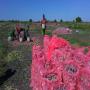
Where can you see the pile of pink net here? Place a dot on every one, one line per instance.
(59, 31)
(59, 66)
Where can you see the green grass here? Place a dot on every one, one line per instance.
(51, 28)
(70, 39)
(72, 25)
(82, 39)
(84, 43)
(75, 40)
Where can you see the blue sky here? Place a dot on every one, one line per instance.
(53, 9)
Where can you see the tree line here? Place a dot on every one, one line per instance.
(77, 20)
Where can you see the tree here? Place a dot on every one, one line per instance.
(73, 21)
(30, 20)
(55, 21)
(78, 19)
(61, 20)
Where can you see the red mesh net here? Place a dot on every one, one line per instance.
(59, 66)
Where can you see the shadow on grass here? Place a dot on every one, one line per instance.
(9, 73)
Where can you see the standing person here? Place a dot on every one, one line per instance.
(27, 33)
(43, 24)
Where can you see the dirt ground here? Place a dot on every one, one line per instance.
(20, 79)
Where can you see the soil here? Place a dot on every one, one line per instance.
(20, 80)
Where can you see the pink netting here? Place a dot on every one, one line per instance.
(59, 66)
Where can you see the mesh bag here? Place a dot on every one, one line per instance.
(60, 66)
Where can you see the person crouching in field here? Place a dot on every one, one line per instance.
(43, 25)
(14, 34)
(17, 31)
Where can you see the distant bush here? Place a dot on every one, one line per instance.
(61, 20)
(55, 21)
(30, 20)
(78, 19)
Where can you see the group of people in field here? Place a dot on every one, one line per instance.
(43, 25)
(23, 34)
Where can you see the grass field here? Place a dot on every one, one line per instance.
(19, 57)
(82, 38)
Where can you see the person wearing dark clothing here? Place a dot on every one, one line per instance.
(43, 24)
